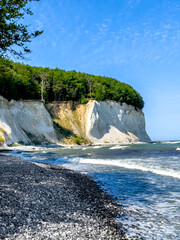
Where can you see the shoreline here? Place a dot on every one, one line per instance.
(43, 147)
(43, 201)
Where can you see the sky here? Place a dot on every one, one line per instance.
(134, 41)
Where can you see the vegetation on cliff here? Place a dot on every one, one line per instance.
(19, 81)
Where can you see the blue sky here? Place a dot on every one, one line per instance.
(134, 41)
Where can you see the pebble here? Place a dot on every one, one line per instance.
(41, 201)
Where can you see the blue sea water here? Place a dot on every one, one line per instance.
(143, 178)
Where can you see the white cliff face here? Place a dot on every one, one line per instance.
(98, 122)
(114, 123)
(10, 128)
(34, 119)
(22, 120)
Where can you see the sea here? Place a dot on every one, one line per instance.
(143, 178)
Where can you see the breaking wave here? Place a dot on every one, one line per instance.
(118, 163)
(170, 142)
(118, 147)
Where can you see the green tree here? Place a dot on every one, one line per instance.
(12, 32)
(23, 81)
(59, 85)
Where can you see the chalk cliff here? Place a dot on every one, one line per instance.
(101, 122)
(25, 121)
(113, 122)
(10, 130)
(97, 122)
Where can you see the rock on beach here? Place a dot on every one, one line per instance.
(41, 201)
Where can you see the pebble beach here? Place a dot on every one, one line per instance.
(42, 201)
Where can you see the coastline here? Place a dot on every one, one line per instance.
(61, 145)
(43, 201)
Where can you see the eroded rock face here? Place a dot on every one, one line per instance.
(34, 119)
(24, 121)
(112, 122)
(10, 129)
(70, 115)
(101, 122)
(98, 122)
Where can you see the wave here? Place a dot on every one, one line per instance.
(20, 155)
(177, 149)
(164, 172)
(170, 142)
(92, 147)
(118, 147)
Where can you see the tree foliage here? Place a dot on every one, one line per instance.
(12, 31)
(18, 81)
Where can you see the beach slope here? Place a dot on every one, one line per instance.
(40, 201)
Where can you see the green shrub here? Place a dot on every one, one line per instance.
(2, 139)
(79, 140)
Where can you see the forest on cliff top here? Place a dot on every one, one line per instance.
(19, 81)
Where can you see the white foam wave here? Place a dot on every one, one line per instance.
(177, 149)
(118, 163)
(118, 147)
(171, 142)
